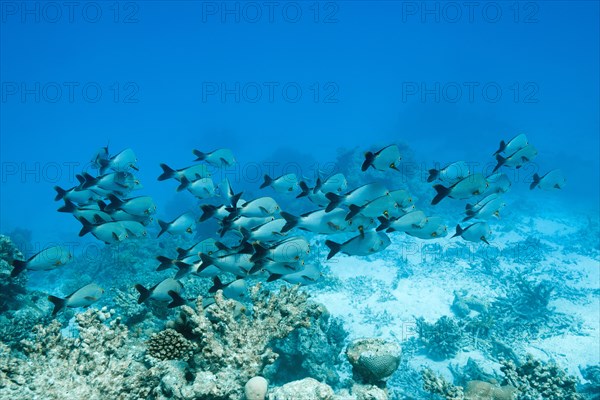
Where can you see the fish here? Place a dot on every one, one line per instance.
(515, 144)
(475, 207)
(402, 198)
(120, 162)
(319, 198)
(134, 228)
(468, 187)
(415, 219)
(239, 264)
(140, 206)
(317, 221)
(184, 224)
(260, 207)
(387, 158)
(207, 246)
(360, 223)
(359, 196)
(120, 215)
(552, 180)
(288, 250)
(164, 291)
(192, 173)
(267, 232)
(218, 158)
(47, 259)
(109, 232)
(91, 215)
(100, 157)
(226, 190)
(433, 228)
(281, 268)
(75, 195)
(306, 276)
(491, 208)
(202, 188)
(336, 183)
(477, 232)
(381, 206)
(219, 212)
(82, 297)
(283, 184)
(121, 182)
(362, 245)
(232, 290)
(237, 223)
(451, 173)
(498, 183)
(516, 159)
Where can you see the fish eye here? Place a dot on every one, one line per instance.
(434, 234)
(392, 165)
(189, 230)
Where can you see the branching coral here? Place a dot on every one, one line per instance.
(441, 340)
(10, 287)
(234, 347)
(85, 366)
(436, 384)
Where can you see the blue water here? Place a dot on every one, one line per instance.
(287, 87)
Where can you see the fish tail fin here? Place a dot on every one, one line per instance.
(246, 234)
(536, 181)
(144, 293)
(88, 181)
(164, 226)
(246, 248)
(183, 268)
(225, 226)
(177, 299)
(260, 252)
(59, 304)
(318, 185)
(60, 193)
(208, 210)
(458, 232)
(217, 284)
(334, 201)
(290, 221)
(468, 217)
(468, 206)
(165, 263)
(235, 198)
(181, 252)
(273, 277)
(200, 156)
(69, 207)
(206, 260)
(433, 175)
(501, 148)
(354, 210)
(184, 184)
(18, 267)
(168, 172)
(305, 190)
(80, 179)
(267, 182)
(115, 203)
(369, 158)
(501, 160)
(334, 248)
(384, 223)
(86, 228)
(442, 191)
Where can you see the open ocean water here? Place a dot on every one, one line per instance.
(299, 200)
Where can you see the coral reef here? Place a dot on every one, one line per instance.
(10, 288)
(170, 345)
(436, 384)
(442, 340)
(310, 352)
(233, 347)
(475, 390)
(256, 388)
(592, 388)
(535, 379)
(305, 389)
(86, 365)
(373, 360)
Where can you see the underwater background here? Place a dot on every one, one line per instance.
(304, 88)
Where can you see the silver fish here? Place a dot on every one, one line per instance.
(184, 224)
(468, 187)
(433, 228)
(451, 173)
(517, 159)
(82, 297)
(219, 158)
(387, 158)
(491, 208)
(109, 232)
(233, 290)
(477, 232)
(552, 180)
(317, 221)
(359, 196)
(141, 206)
(120, 162)
(412, 220)
(515, 144)
(164, 291)
(362, 245)
(306, 276)
(284, 184)
(498, 183)
(49, 258)
(202, 188)
(285, 251)
(260, 207)
(192, 173)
